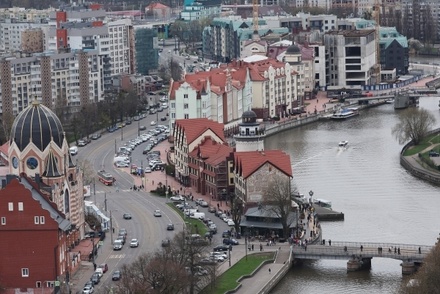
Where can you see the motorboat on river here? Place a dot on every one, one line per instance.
(343, 144)
(345, 113)
(322, 203)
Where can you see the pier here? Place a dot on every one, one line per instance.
(359, 255)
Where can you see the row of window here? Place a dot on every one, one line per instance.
(38, 220)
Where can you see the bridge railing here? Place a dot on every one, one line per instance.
(385, 246)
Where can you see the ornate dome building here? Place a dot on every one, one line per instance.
(38, 148)
(250, 136)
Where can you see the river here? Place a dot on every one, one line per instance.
(380, 200)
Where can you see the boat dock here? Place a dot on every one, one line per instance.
(327, 214)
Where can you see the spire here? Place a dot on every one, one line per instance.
(51, 170)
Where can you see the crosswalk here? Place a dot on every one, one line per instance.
(117, 256)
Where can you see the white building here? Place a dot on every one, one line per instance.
(10, 34)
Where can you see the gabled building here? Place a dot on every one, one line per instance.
(188, 134)
(394, 50)
(209, 169)
(221, 95)
(252, 166)
(34, 236)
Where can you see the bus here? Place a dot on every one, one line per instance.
(106, 178)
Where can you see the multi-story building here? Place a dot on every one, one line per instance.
(44, 211)
(394, 51)
(350, 57)
(25, 15)
(11, 32)
(225, 38)
(32, 41)
(197, 10)
(55, 79)
(188, 134)
(221, 95)
(276, 86)
(305, 21)
(145, 49)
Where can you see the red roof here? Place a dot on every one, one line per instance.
(157, 6)
(212, 152)
(195, 127)
(4, 148)
(246, 163)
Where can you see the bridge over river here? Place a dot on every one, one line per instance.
(359, 255)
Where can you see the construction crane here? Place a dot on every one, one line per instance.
(377, 67)
(256, 37)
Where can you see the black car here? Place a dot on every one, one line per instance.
(163, 118)
(116, 276)
(226, 234)
(228, 241)
(433, 153)
(127, 216)
(95, 279)
(170, 227)
(221, 248)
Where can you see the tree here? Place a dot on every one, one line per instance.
(414, 125)
(88, 172)
(171, 70)
(236, 206)
(426, 278)
(277, 199)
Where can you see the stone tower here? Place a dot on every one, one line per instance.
(251, 135)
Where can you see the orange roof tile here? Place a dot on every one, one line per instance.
(195, 127)
(4, 148)
(246, 163)
(212, 152)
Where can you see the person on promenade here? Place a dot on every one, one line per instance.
(362, 248)
(329, 242)
(420, 250)
(270, 271)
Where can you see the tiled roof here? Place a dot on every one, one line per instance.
(195, 127)
(212, 152)
(246, 163)
(157, 6)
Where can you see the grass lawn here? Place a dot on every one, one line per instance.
(196, 226)
(425, 143)
(228, 280)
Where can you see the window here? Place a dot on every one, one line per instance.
(42, 220)
(36, 220)
(3, 220)
(20, 206)
(185, 106)
(185, 95)
(25, 272)
(11, 206)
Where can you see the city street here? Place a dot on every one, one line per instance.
(149, 230)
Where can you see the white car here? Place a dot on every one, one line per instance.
(153, 123)
(87, 289)
(231, 222)
(157, 213)
(121, 164)
(134, 243)
(177, 198)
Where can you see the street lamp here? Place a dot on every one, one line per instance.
(311, 195)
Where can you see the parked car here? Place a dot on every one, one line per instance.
(127, 216)
(221, 248)
(177, 198)
(121, 164)
(95, 279)
(163, 118)
(226, 234)
(203, 203)
(153, 123)
(96, 136)
(142, 128)
(116, 275)
(104, 267)
(211, 209)
(82, 143)
(434, 153)
(87, 289)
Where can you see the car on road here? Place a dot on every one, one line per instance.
(163, 118)
(127, 216)
(170, 227)
(157, 213)
(221, 248)
(227, 241)
(116, 275)
(203, 203)
(230, 222)
(82, 143)
(96, 136)
(142, 128)
(166, 242)
(153, 123)
(117, 245)
(121, 164)
(226, 234)
(134, 243)
(211, 209)
(87, 289)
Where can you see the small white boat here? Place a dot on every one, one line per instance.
(343, 144)
(389, 101)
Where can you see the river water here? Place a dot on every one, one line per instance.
(380, 200)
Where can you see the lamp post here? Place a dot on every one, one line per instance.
(111, 228)
(122, 133)
(311, 195)
(139, 131)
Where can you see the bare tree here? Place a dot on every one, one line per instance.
(88, 172)
(171, 70)
(426, 279)
(236, 206)
(414, 125)
(277, 199)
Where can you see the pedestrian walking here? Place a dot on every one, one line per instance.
(270, 271)
(252, 247)
(261, 247)
(420, 250)
(398, 250)
(329, 242)
(362, 248)
(94, 266)
(395, 249)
